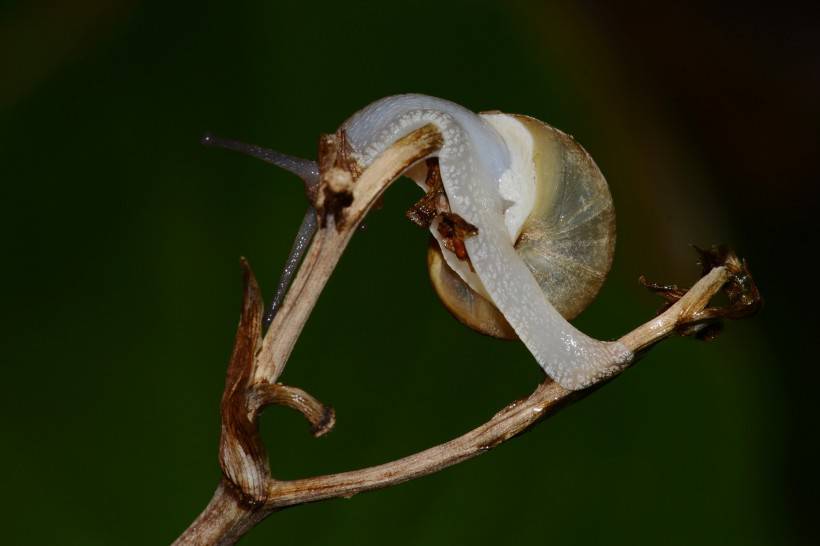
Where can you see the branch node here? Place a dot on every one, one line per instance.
(434, 201)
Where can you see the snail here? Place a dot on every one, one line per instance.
(523, 219)
(562, 225)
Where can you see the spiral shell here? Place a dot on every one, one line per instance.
(567, 241)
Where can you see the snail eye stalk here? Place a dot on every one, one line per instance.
(305, 169)
(297, 251)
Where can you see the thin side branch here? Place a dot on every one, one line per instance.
(321, 417)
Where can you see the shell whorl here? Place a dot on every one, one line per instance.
(568, 240)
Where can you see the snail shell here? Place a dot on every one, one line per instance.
(567, 241)
(513, 181)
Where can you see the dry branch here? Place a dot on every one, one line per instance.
(247, 492)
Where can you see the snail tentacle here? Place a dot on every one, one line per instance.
(305, 169)
(307, 229)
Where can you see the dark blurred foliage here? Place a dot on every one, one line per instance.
(121, 238)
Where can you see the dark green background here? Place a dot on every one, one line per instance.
(121, 285)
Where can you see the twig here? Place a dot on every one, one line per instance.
(247, 493)
(321, 417)
(330, 242)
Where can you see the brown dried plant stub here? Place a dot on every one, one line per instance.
(743, 297)
(454, 230)
(338, 171)
(242, 455)
(669, 292)
(434, 201)
(741, 289)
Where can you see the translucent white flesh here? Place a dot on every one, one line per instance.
(516, 187)
(517, 183)
(474, 161)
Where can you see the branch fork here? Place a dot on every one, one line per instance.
(248, 493)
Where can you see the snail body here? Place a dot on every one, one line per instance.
(567, 240)
(544, 219)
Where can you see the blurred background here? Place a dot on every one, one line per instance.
(122, 235)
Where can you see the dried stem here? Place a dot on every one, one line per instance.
(321, 417)
(248, 493)
(330, 242)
